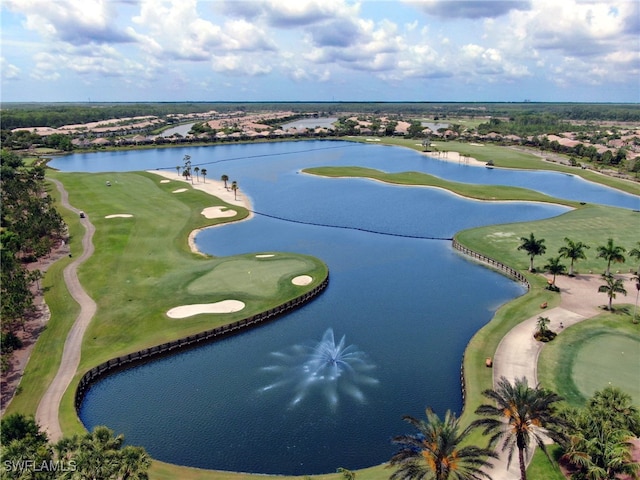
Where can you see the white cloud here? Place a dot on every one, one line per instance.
(9, 71)
(73, 21)
(175, 28)
(197, 45)
(291, 13)
(239, 65)
(471, 9)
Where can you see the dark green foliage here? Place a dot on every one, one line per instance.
(598, 436)
(525, 124)
(26, 453)
(533, 247)
(30, 227)
(10, 342)
(18, 427)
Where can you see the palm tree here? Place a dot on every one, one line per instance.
(94, 453)
(554, 267)
(574, 251)
(616, 407)
(133, 463)
(529, 415)
(636, 280)
(533, 247)
(596, 449)
(613, 285)
(187, 167)
(204, 174)
(196, 169)
(234, 187)
(178, 167)
(543, 323)
(225, 179)
(598, 436)
(436, 451)
(635, 253)
(611, 253)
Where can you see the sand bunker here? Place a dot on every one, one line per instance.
(218, 212)
(165, 181)
(180, 190)
(302, 280)
(265, 255)
(225, 306)
(119, 215)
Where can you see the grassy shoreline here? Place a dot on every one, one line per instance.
(83, 188)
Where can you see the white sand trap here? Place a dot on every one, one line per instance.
(265, 255)
(218, 212)
(225, 306)
(119, 215)
(302, 280)
(180, 190)
(165, 181)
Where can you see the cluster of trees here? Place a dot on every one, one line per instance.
(595, 440)
(27, 453)
(584, 151)
(527, 124)
(574, 251)
(24, 139)
(58, 114)
(188, 170)
(30, 227)
(16, 115)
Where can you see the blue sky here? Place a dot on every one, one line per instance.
(320, 50)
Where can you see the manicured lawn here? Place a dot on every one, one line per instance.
(480, 192)
(260, 277)
(591, 355)
(141, 268)
(591, 225)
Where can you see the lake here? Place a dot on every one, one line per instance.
(325, 386)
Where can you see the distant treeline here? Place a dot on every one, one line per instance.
(16, 115)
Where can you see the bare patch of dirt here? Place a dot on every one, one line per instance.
(34, 324)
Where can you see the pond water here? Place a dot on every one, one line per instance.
(322, 122)
(327, 385)
(180, 129)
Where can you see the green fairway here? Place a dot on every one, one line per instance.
(591, 225)
(479, 192)
(592, 355)
(141, 268)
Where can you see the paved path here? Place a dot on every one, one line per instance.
(47, 413)
(517, 354)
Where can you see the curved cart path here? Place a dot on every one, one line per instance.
(517, 353)
(47, 413)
